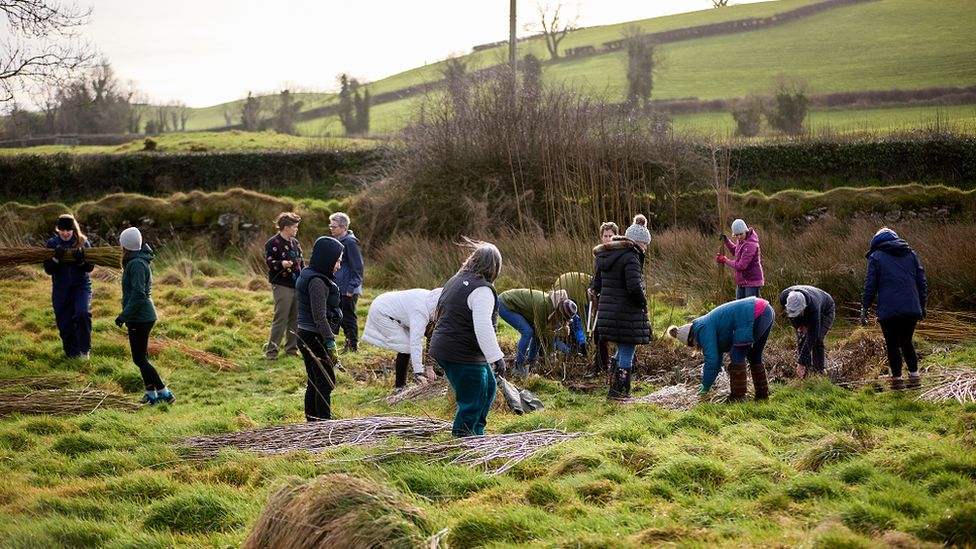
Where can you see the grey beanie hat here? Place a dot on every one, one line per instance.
(131, 239)
(739, 227)
(796, 302)
(638, 231)
(681, 333)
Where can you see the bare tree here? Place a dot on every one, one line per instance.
(41, 44)
(720, 3)
(642, 60)
(554, 27)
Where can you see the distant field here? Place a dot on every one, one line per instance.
(960, 118)
(209, 141)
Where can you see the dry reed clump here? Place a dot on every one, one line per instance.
(942, 325)
(19, 272)
(317, 436)
(61, 402)
(337, 511)
(105, 256)
(160, 344)
(860, 357)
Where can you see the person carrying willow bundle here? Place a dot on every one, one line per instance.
(398, 321)
(71, 289)
(138, 312)
(539, 317)
(319, 314)
(811, 312)
(739, 328)
(464, 342)
(619, 285)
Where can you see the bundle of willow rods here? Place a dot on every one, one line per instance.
(480, 451)
(159, 344)
(318, 435)
(436, 388)
(36, 382)
(104, 256)
(62, 402)
(942, 325)
(957, 384)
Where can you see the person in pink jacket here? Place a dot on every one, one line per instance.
(746, 259)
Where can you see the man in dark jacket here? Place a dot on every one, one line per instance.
(619, 285)
(349, 278)
(283, 254)
(896, 277)
(811, 312)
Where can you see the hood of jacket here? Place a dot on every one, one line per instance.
(608, 254)
(752, 236)
(146, 254)
(325, 252)
(890, 245)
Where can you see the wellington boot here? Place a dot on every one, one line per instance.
(914, 382)
(897, 384)
(759, 381)
(620, 385)
(737, 382)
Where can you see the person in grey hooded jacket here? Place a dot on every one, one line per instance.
(811, 312)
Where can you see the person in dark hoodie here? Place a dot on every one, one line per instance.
(896, 277)
(349, 278)
(71, 289)
(319, 314)
(619, 285)
(811, 312)
(138, 312)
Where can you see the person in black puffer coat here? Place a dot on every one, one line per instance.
(619, 285)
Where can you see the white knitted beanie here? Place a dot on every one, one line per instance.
(739, 227)
(681, 333)
(638, 231)
(131, 239)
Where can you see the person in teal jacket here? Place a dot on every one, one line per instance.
(739, 328)
(138, 313)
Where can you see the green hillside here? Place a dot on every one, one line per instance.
(877, 45)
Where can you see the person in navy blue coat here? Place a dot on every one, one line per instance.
(896, 277)
(71, 289)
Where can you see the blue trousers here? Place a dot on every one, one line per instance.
(72, 313)
(625, 355)
(742, 292)
(474, 386)
(528, 345)
(760, 333)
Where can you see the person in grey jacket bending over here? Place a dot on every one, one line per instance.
(811, 312)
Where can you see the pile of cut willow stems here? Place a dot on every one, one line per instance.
(159, 344)
(947, 383)
(481, 451)
(436, 388)
(62, 402)
(104, 256)
(317, 436)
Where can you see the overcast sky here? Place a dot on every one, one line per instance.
(204, 52)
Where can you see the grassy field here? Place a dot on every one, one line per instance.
(959, 118)
(877, 45)
(816, 466)
(209, 141)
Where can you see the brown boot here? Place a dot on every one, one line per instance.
(737, 382)
(897, 384)
(914, 382)
(759, 381)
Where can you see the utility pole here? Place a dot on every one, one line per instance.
(512, 56)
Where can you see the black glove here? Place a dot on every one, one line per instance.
(923, 315)
(78, 254)
(59, 254)
(723, 237)
(864, 316)
(118, 321)
(500, 368)
(582, 349)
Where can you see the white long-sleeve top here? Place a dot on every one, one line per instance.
(482, 303)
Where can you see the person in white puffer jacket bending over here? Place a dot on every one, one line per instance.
(397, 321)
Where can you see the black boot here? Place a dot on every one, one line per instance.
(620, 385)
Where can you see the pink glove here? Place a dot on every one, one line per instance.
(721, 259)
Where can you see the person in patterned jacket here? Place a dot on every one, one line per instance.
(283, 253)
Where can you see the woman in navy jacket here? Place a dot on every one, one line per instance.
(71, 289)
(896, 277)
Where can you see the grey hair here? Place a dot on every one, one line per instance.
(485, 259)
(341, 219)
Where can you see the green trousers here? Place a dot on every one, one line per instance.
(474, 387)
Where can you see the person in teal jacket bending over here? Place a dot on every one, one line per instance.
(739, 328)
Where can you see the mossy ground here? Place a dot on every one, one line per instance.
(816, 465)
